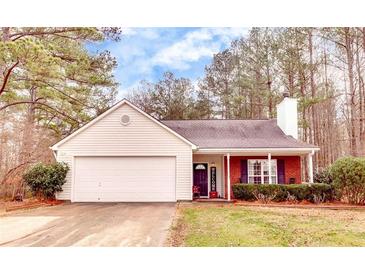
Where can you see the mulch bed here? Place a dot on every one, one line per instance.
(304, 204)
(29, 203)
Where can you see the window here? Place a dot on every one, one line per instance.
(258, 172)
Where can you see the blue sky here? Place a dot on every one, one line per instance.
(146, 53)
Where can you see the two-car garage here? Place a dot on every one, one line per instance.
(125, 155)
(124, 179)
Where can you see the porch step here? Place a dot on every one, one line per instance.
(215, 200)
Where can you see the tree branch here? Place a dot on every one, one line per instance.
(332, 40)
(35, 33)
(6, 78)
(65, 94)
(41, 104)
(10, 171)
(65, 58)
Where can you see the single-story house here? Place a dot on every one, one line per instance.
(126, 155)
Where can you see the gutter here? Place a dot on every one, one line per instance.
(257, 150)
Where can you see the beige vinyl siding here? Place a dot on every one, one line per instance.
(142, 137)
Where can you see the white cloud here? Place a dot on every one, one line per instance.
(124, 91)
(179, 55)
(147, 33)
(144, 53)
(228, 34)
(196, 45)
(129, 31)
(150, 34)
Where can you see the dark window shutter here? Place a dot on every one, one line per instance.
(281, 171)
(244, 177)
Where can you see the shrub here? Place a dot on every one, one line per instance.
(320, 193)
(311, 192)
(249, 192)
(348, 175)
(322, 176)
(291, 198)
(299, 191)
(45, 180)
(264, 197)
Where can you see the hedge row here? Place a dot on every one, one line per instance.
(314, 193)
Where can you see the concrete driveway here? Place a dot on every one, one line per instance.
(89, 224)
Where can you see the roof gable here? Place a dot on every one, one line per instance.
(110, 111)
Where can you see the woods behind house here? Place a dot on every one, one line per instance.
(51, 84)
(323, 68)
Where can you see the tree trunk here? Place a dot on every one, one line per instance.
(28, 131)
(313, 108)
(352, 101)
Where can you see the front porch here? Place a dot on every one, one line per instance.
(214, 172)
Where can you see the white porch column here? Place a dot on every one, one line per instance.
(228, 177)
(310, 167)
(269, 166)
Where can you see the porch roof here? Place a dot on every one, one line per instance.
(236, 134)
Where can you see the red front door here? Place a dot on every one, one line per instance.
(201, 178)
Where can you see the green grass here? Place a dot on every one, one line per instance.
(244, 226)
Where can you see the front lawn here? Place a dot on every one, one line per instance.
(211, 225)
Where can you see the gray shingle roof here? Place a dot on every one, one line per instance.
(234, 134)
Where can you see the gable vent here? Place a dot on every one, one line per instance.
(125, 120)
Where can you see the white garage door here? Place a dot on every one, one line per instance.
(124, 179)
